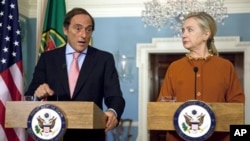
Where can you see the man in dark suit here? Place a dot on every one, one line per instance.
(97, 80)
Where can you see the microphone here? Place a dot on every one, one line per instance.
(56, 92)
(195, 73)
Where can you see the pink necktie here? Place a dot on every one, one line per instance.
(73, 73)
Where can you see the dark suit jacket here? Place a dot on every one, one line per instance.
(98, 79)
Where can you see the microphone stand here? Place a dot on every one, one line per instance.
(195, 73)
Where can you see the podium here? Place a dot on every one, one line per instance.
(160, 115)
(78, 115)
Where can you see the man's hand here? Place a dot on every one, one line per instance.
(43, 91)
(111, 120)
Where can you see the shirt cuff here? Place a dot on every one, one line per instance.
(111, 109)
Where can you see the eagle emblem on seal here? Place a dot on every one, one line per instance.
(193, 121)
(45, 125)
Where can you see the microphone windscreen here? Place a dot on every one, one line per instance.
(196, 69)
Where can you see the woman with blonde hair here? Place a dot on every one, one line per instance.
(216, 78)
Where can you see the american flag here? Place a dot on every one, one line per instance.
(11, 71)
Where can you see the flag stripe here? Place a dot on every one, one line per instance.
(4, 93)
(20, 134)
(11, 134)
(8, 79)
(2, 132)
(2, 109)
(17, 77)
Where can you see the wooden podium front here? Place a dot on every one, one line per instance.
(78, 115)
(160, 115)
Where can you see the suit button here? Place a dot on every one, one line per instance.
(198, 94)
(198, 75)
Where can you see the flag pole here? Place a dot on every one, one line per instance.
(41, 9)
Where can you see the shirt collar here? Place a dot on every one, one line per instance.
(70, 50)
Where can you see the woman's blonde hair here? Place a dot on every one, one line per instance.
(206, 22)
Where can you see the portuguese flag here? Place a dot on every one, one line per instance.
(53, 36)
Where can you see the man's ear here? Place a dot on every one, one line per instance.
(65, 31)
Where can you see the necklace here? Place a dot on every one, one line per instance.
(198, 58)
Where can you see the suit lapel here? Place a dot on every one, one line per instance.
(63, 74)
